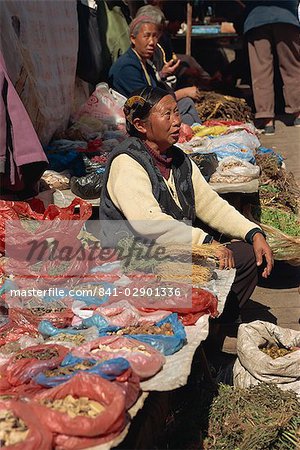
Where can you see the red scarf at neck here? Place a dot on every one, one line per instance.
(162, 162)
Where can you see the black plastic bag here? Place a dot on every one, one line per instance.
(92, 166)
(88, 187)
(207, 163)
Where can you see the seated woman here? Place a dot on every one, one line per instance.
(161, 193)
(177, 70)
(132, 70)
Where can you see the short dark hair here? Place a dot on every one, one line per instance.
(140, 103)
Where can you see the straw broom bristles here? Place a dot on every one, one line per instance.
(181, 272)
(194, 251)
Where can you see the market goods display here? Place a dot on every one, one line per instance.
(165, 329)
(284, 247)
(56, 180)
(69, 370)
(169, 342)
(233, 170)
(12, 429)
(257, 418)
(277, 210)
(211, 105)
(74, 407)
(110, 369)
(20, 428)
(180, 272)
(76, 339)
(144, 360)
(22, 366)
(253, 365)
(109, 417)
(274, 351)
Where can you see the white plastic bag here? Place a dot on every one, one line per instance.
(100, 110)
(241, 138)
(234, 170)
(254, 366)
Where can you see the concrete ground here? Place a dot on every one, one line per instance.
(277, 300)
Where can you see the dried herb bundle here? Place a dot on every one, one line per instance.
(262, 417)
(217, 106)
(181, 272)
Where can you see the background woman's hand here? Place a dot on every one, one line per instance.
(225, 257)
(191, 92)
(262, 250)
(169, 68)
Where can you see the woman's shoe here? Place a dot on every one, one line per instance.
(297, 122)
(269, 130)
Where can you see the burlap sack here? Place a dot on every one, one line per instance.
(253, 366)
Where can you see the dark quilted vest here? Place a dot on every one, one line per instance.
(111, 233)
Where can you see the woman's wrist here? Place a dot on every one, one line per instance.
(250, 235)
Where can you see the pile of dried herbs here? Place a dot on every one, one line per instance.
(278, 187)
(211, 105)
(262, 417)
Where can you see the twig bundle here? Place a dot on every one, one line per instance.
(181, 272)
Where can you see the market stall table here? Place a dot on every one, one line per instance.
(177, 368)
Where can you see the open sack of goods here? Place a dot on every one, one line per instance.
(83, 412)
(277, 211)
(26, 363)
(167, 336)
(20, 428)
(144, 360)
(267, 353)
(116, 370)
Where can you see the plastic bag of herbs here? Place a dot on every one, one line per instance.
(262, 417)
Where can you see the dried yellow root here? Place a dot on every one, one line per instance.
(12, 429)
(74, 407)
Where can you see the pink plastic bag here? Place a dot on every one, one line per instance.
(144, 360)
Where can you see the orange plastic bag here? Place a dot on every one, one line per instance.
(38, 438)
(19, 371)
(110, 421)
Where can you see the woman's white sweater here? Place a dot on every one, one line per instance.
(130, 190)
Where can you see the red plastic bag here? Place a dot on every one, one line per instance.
(38, 438)
(60, 319)
(19, 371)
(47, 274)
(185, 133)
(215, 123)
(65, 442)
(144, 360)
(19, 392)
(203, 302)
(111, 420)
(17, 327)
(129, 382)
(57, 222)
